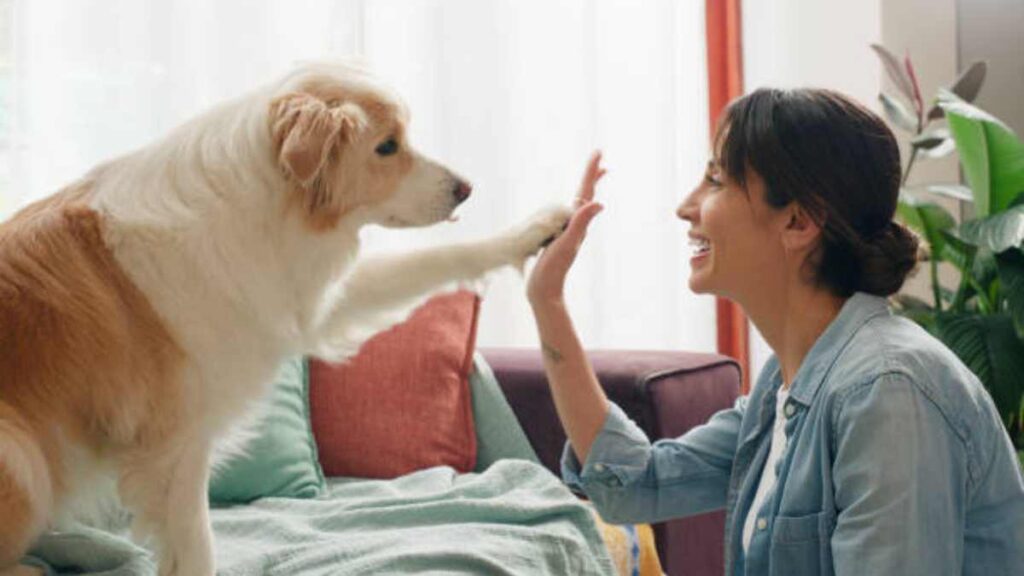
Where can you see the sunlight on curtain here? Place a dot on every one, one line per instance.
(513, 94)
(6, 73)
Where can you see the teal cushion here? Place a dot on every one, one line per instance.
(498, 433)
(282, 459)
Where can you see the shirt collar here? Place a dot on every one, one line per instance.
(856, 312)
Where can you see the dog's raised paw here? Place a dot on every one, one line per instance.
(545, 226)
(539, 230)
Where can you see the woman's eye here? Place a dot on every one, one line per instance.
(714, 181)
(388, 147)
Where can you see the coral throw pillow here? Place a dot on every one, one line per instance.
(403, 402)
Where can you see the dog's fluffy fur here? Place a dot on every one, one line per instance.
(145, 308)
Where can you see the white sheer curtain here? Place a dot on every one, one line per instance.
(512, 93)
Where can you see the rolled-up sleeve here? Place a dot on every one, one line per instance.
(631, 480)
(900, 480)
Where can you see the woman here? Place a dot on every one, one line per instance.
(865, 447)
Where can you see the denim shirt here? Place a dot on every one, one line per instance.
(896, 462)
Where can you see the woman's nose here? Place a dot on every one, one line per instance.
(687, 210)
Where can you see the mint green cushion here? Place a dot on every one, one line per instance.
(282, 459)
(498, 433)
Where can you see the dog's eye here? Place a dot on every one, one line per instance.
(388, 147)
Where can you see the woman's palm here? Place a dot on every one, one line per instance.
(547, 280)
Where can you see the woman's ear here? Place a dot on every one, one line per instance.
(801, 230)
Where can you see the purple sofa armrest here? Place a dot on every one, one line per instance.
(665, 392)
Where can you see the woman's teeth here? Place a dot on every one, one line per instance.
(700, 246)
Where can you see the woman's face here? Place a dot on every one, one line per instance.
(736, 236)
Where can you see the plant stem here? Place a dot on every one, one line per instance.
(910, 164)
(934, 265)
(961, 292)
(984, 303)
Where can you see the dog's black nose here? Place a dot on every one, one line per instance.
(462, 190)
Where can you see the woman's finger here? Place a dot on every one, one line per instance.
(580, 221)
(591, 175)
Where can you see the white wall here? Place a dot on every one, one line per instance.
(812, 43)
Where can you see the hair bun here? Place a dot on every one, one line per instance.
(886, 259)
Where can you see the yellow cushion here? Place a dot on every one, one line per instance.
(631, 547)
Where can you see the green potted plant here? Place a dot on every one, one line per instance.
(981, 317)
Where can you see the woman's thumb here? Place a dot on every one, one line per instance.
(581, 220)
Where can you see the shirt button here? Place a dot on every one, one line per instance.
(599, 467)
(762, 523)
(789, 410)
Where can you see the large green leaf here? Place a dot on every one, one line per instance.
(989, 346)
(927, 218)
(956, 251)
(1011, 280)
(991, 154)
(985, 269)
(1000, 232)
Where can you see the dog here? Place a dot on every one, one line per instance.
(145, 308)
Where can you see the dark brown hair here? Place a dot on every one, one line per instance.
(838, 161)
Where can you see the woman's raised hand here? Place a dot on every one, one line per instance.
(547, 280)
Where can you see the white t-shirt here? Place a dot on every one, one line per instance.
(768, 477)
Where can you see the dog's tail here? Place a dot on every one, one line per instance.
(26, 489)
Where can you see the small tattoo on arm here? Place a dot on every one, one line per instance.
(551, 353)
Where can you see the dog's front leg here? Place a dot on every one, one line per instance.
(168, 492)
(381, 290)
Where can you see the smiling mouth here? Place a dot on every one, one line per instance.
(700, 246)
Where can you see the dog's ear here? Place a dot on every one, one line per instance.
(306, 131)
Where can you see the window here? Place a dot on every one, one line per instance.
(6, 86)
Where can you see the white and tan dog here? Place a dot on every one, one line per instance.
(145, 308)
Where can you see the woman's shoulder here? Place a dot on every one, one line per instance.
(895, 351)
(896, 367)
(891, 344)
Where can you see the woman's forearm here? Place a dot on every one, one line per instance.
(581, 403)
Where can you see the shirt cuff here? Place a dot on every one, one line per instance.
(618, 453)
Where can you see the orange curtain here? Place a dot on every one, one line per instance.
(725, 82)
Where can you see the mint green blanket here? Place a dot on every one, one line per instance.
(514, 518)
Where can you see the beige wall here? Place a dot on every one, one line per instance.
(927, 30)
(943, 37)
(993, 30)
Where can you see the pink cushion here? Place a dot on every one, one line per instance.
(403, 402)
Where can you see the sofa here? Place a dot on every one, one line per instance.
(393, 462)
(665, 392)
